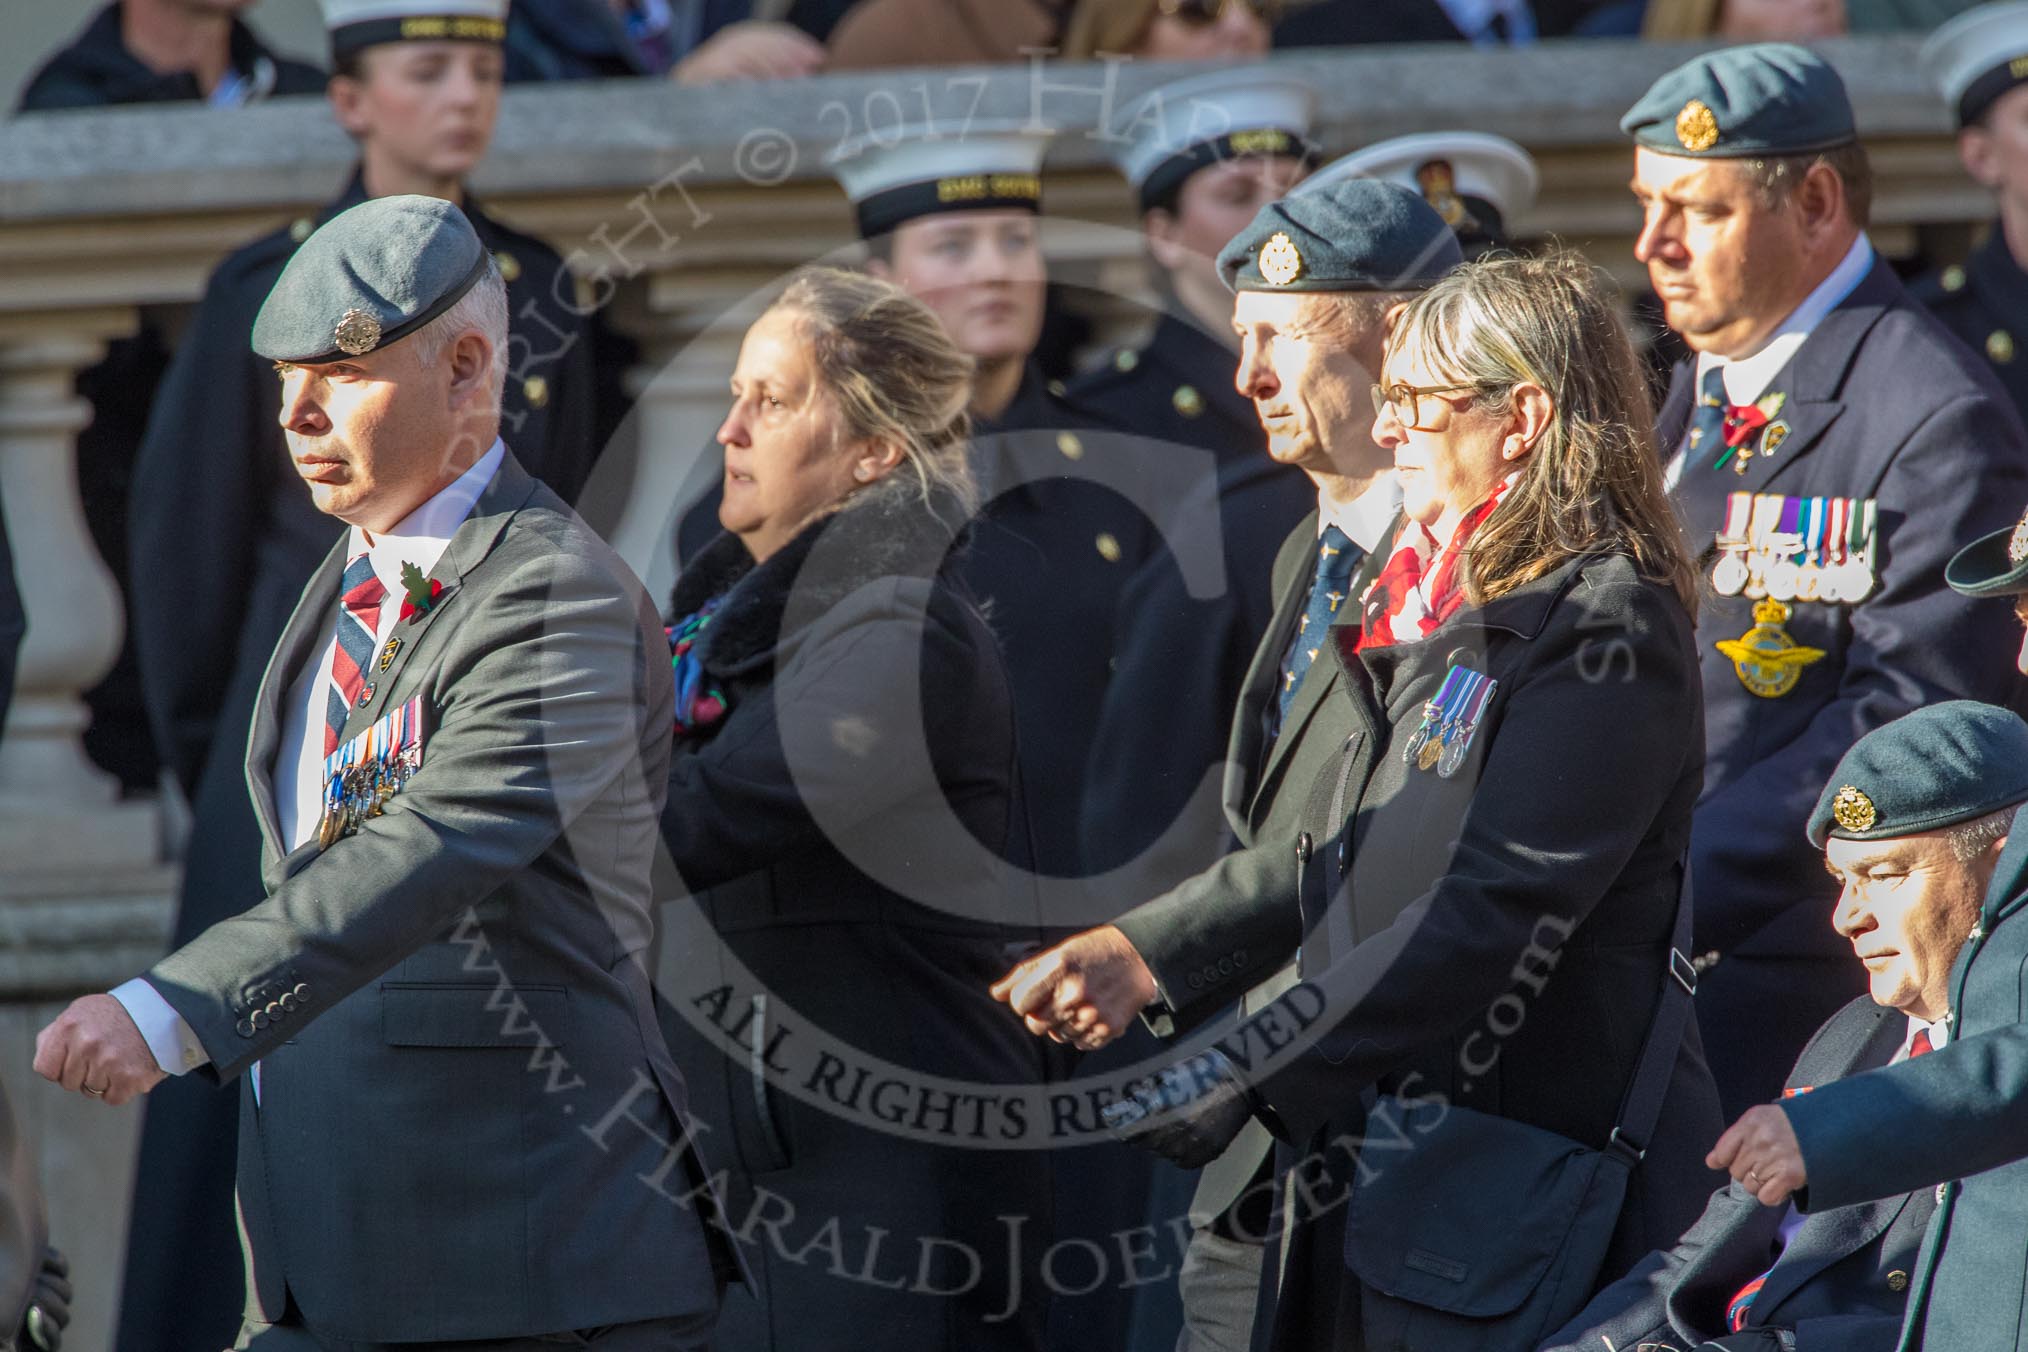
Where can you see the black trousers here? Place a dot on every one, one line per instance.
(688, 1334)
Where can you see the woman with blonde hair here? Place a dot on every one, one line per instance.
(842, 788)
(1486, 890)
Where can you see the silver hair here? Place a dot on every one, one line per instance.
(484, 309)
(1968, 840)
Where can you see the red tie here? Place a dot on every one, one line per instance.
(1920, 1045)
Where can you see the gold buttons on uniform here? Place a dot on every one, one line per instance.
(536, 391)
(1108, 547)
(2000, 346)
(1187, 400)
(1072, 448)
(1953, 278)
(1897, 1280)
(300, 228)
(509, 265)
(1126, 359)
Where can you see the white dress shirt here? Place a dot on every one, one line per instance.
(298, 772)
(1366, 519)
(1747, 378)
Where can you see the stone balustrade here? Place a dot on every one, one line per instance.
(678, 207)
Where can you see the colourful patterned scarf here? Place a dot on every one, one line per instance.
(1418, 588)
(699, 704)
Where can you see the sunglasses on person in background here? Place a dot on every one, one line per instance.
(1209, 11)
(1406, 401)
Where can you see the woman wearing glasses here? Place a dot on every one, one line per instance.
(1489, 875)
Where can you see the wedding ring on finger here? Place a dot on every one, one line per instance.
(95, 1093)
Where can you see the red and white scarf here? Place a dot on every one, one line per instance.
(1418, 589)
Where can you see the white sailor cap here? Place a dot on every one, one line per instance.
(1475, 181)
(895, 176)
(1978, 56)
(1172, 131)
(356, 24)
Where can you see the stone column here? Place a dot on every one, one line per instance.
(84, 896)
(689, 328)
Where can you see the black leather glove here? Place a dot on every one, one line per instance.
(48, 1305)
(1187, 1113)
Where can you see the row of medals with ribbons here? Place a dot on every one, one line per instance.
(362, 775)
(1796, 549)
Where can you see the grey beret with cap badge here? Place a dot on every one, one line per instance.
(1941, 765)
(370, 276)
(1768, 98)
(1360, 234)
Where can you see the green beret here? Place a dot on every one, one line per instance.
(373, 274)
(1358, 234)
(1992, 565)
(1943, 764)
(1772, 98)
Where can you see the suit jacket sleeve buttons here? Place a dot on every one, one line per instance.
(244, 1028)
(302, 991)
(288, 1002)
(1195, 981)
(273, 1010)
(259, 1018)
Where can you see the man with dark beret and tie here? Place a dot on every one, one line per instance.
(460, 1121)
(1911, 824)
(1828, 447)
(1203, 156)
(1316, 276)
(1979, 62)
(224, 537)
(1955, 1121)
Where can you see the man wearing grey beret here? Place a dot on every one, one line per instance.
(1955, 1122)
(461, 1121)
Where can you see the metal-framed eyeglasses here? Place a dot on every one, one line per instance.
(1406, 401)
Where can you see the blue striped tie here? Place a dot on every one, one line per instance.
(359, 597)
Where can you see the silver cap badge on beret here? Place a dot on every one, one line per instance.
(358, 332)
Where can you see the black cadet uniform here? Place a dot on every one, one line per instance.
(228, 541)
(96, 70)
(1181, 658)
(1984, 301)
(1879, 411)
(1977, 59)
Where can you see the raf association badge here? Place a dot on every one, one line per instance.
(1280, 261)
(358, 332)
(1696, 126)
(1766, 659)
(1853, 810)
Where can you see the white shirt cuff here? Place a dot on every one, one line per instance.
(176, 1048)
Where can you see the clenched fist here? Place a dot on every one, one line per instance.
(1085, 991)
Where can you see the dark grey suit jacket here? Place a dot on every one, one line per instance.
(1256, 768)
(468, 1120)
(1841, 1283)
